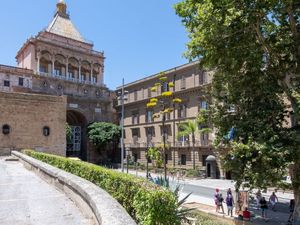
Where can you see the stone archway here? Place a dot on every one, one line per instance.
(77, 145)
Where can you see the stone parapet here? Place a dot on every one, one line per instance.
(92, 200)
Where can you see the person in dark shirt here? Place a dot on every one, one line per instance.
(264, 207)
(229, 203)
(220, 202)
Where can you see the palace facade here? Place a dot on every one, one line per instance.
(143, 131)
(60, 63)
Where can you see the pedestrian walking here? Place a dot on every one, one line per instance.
(264, 207)
(229, 203)
(292, 208)
(273, 200)
(220, 203)
(216, 199)
(258, 198)
(229, 191)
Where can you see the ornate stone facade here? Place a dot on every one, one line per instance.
(59, 61)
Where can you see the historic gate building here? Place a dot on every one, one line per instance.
(58, 61)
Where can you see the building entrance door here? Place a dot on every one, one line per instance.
(74, 145)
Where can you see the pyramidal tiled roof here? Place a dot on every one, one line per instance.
(63, 26)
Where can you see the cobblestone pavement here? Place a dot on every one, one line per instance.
(26, 199)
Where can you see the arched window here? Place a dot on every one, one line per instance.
(46, 131)
(5, 129)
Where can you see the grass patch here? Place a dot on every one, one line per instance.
(206, 219)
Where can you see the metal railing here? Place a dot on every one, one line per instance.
(183, 144)
(75, 80)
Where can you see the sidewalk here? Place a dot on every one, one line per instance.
(205, 203)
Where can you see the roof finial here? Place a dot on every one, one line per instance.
(61, 9)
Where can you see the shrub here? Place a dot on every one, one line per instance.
(146, 202)
(192, 173)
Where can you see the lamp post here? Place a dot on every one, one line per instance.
(174, 138)
(122, 98)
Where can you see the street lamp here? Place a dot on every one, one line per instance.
(122, 97)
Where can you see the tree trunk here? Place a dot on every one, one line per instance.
(194, 157)
(295, 173)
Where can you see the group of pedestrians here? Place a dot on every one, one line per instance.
(218, 198)
(261, 203)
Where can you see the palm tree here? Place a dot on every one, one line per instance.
(189, 127)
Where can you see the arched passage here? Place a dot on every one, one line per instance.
(76, 146)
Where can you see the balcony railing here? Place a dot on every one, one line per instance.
(75, 80)
(178, 144)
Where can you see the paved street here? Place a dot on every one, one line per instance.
(203, 192)
(25, 199)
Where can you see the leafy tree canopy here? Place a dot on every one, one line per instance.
(101, 133)
(254, 48)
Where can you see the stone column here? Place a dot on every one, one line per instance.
(101, 74)
(67, 68)
(53, 65)
(38, 62)
(91, 75)
(79, 72)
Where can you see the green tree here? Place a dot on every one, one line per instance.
(192, 127)
(187, 128)
(254, 48)
(102, 133)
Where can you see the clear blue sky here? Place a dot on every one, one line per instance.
(139, 37)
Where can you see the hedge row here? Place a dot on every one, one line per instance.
(147, 203)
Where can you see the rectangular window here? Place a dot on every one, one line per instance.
(204, 138)
(167, 131)
(149, 92)
(183, 140)
(203, 105)
(149, 116)
(135, 95)
(150, 132)
(183, 159)
(21, 81)
(135, 117)
(202, 78)
(182, 111)
(168, 116)
(164, 87)
(135, 135)
(166, 158)
(6, 83)
(183, 82)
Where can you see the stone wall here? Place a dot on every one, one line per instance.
(27, 115)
